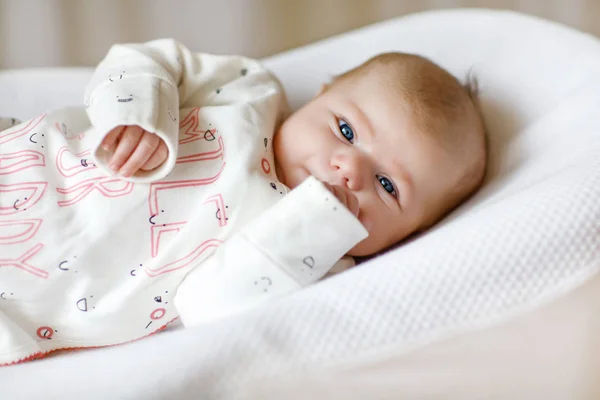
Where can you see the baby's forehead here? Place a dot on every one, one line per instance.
(437, 100)
(415, 88)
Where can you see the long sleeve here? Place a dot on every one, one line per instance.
(291, 245)
(146, 85)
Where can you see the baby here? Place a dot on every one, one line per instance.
(167, 197)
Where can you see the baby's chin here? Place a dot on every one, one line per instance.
(372, 245)
(363, 249)
(291, 177)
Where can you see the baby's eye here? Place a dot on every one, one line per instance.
(346, 130)
(387, 185)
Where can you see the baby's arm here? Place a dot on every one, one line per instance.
(289, 246)
(136, 92)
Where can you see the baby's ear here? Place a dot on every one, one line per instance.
(325, 86)
(323, 89)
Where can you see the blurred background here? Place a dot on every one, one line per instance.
(39, 33)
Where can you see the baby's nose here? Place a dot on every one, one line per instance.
(350, 170)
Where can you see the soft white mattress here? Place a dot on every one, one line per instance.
(501, 300)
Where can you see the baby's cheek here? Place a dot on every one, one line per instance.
(366, 222)
(366, 247)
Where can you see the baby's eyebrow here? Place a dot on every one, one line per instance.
(400, 175)
(364, 124)
(402, 172)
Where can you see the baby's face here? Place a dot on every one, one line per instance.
(362, 136)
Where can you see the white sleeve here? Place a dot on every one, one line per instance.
(146, 85)
(291, 245)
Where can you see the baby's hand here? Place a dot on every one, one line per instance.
(133, 149)
(345, 196)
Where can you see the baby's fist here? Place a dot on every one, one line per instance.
(133, 149)
(345, 196)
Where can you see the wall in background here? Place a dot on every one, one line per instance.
(36, 33)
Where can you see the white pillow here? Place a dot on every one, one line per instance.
(529, 237)
(26, 93)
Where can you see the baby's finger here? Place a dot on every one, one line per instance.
(144, 150)
(347, 198)
(129, 140)
(328, 187)
(341, 194)
(109, 143)
(159, 156)
(336, 191)
(352, 204)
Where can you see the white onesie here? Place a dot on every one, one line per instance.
(90, 259)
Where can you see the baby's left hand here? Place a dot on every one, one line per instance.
(133, 149)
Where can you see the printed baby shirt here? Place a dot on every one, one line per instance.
(90, 259)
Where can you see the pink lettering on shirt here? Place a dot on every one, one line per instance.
(221, 208)
(10, 134)
(19, 161)
(12, 232)
(193, 133)
(160, 187)
(106, 186)
(21, 262)
(185, 261)
(208, 155)
(20, 196)
(78, 163)
(158, 232)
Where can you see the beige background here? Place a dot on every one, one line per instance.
(37, 33)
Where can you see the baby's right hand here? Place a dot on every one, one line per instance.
(345, 196)
(133, 149)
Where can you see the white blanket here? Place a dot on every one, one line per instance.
(468, 310)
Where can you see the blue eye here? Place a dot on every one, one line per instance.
(346, 130)
(387, 185)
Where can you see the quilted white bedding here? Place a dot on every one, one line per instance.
(501, 300)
